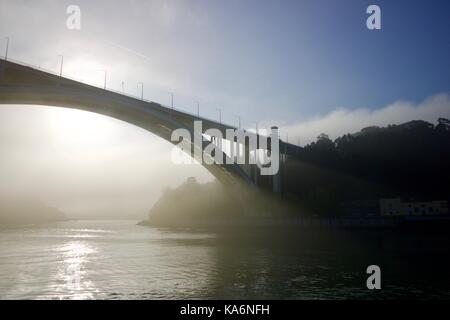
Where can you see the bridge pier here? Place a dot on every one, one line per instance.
(276, 178)
(2, 68)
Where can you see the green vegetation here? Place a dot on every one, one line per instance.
(411, 160)
(192, 201)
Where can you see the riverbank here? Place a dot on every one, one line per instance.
(296, 222)
(27, 211)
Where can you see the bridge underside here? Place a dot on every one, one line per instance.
(25, 85)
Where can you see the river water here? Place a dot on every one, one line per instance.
(120, 260)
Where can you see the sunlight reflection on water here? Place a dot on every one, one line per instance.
(75, 255)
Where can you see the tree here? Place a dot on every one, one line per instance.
(323, 137)
(444, 124)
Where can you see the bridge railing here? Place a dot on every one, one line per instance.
(65, 76)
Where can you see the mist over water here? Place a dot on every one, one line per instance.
(119, 260)
(86, 165)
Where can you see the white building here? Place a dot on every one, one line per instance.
(395, 207)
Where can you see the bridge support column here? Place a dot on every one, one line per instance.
(276, 179)
(276, 184)
(255, 179)
(2, 68)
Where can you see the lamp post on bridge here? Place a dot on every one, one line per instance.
(61, 65)
(142, 90)
(106, 74)
(198, 108)
(123, 87)
(239, 120)
(171, 101)
(220, 115)
(7, 47)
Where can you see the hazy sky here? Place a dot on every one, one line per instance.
(308, 66)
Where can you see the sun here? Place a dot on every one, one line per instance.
(81, 127)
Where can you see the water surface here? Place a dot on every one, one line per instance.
(120, 260)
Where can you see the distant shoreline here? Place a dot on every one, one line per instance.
(294, 222)
(9, 224)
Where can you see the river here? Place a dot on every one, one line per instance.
(120, 260)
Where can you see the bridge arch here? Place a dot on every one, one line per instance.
(23, 85)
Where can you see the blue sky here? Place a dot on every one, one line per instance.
(319, 55)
